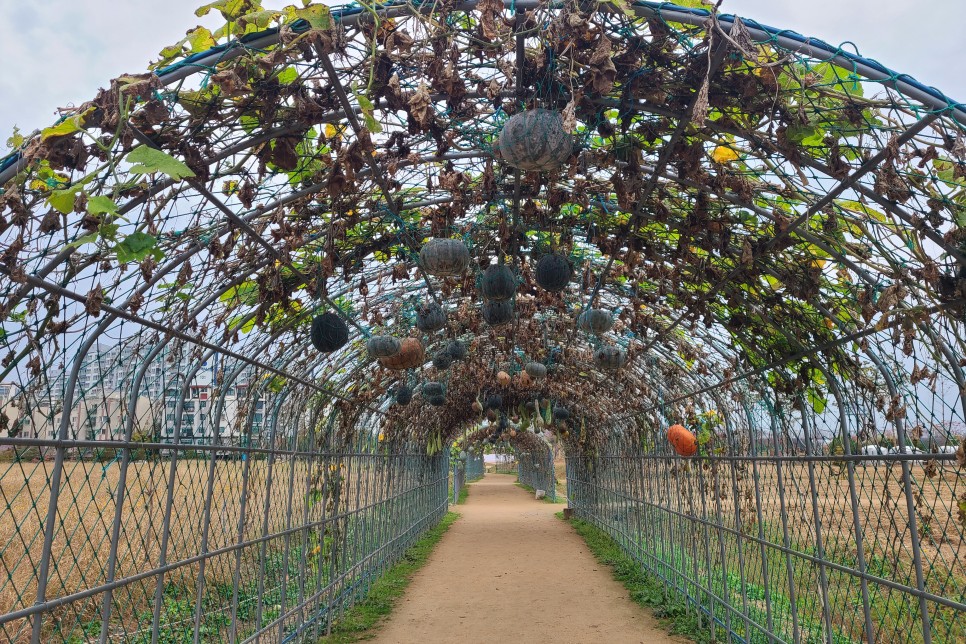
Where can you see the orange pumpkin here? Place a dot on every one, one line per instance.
(683, 441)
(411, 355)
(503, 379)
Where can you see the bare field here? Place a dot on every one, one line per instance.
(85, 523)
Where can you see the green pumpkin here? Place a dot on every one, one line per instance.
(498, 313)
(383, 346)
(609, 358)
(535, 140)
(536, 370)
(499, 283)
(444, 257)
(595, 321)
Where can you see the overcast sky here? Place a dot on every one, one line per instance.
(56, 53)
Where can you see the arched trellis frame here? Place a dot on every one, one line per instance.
(775, 222)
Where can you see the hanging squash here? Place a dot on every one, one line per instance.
(433, 389)
(457, 350)
(535, 140)
(536, 370)
(561, 413)
(683, 441)
(609, 358)
(329, 332)
(524, 380)
(553, 272)
(404, 395)
(444, 257)
(503, 379)
(498, 313)
(477, 406)
(436, 401)
(442, 360)
(430, 317)
(383, 346)
(595, 321)
(499, 283)
(494, 402)
(411, 355)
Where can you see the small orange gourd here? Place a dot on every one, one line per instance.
(683, 441)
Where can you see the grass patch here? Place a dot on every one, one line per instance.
(359, 621)
(464, 492)
(545, 499)
(646, 590)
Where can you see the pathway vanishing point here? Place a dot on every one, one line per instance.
(510, 571)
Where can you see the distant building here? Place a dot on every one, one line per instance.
(99, 408)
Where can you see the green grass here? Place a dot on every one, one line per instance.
(464, 492)
(646, 590)
(545, 499)
(360, 622)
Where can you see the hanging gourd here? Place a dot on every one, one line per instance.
(433, 389)
(498, 313)
(595, 321)
(444, 257)
(456, 350)
(499, 283)
(477, 406)
(404, 395)
(442, 360)
(329, 332)
(536, 370)
(436, 401)
(494, 402)
(609, 358)
(535, 140)
(411, 355)
(682, 440)
(553, 272)
(561, 413)
(524, 380)
(430, 317)
(383, 346)
(503, 379)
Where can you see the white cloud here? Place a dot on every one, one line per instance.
(59, 52)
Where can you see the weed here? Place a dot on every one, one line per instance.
(645, 589)
(386, 591)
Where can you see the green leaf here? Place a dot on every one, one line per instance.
(316, 15)
(229, 9)
(63, 200)
(288, 76)
(16, 139)
(101, 206)
(805, 135)
(200, 39)
(66, 127)
(86, 239)
(136, 247)
(148, 159)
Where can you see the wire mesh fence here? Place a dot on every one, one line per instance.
(474, 466)
(177, 543)
(535, 469)
(768, 545)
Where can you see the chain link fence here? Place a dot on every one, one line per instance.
(767, 545)
(176, 543)
(535, 469)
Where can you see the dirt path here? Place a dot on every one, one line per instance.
(510, 571)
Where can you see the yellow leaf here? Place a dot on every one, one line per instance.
(724, 154)
(68, 126)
